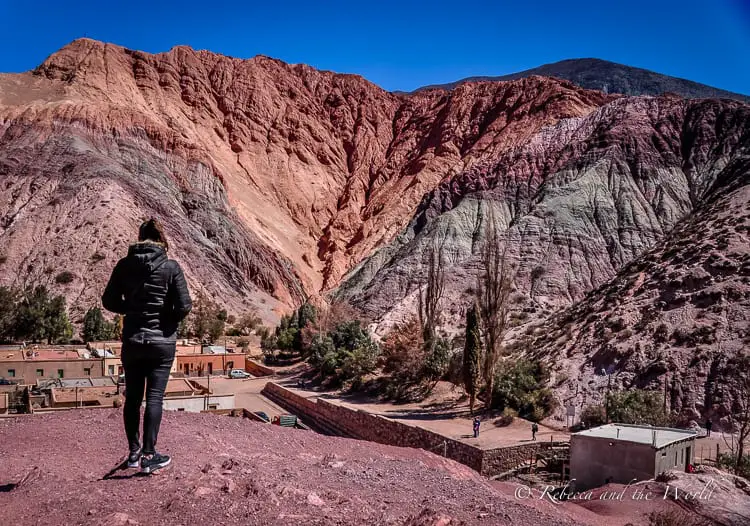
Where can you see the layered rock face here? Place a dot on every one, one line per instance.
(273, 179)
(676, 319)
(574, 203)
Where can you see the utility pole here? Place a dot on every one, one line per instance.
(606, 397)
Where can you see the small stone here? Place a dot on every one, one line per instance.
(314, 500)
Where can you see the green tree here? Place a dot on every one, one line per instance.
(248, 321)
(306, 315)
(522, 385)
(215, 329)
(31, 314)
(472, 354)
(208, 321)
(637, 407)
(95, 327)
(8, 307)
(437, 359)
(428, 304)
(58, 328)
(183, 329)
(117, 327)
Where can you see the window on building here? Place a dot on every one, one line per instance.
(87, 371)
(213, 406)
(11, 373)
(111, 370)
(60, 373)
(180, 408)
(40, 373)
(675, 458)
(119, 369)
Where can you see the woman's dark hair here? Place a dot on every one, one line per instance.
(152, 230)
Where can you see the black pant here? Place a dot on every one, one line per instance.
(146, 367)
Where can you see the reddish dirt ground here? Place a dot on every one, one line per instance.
(230, 470)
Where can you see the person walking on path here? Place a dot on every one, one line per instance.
(534, 430)
(709, 424)
(150, 291)
(476, 426)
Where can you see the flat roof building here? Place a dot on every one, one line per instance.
(622, 453)
(31, 364)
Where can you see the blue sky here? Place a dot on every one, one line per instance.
(402, 45)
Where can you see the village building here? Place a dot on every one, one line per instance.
(207, 360)
(181, 394)
(621, 453)
(26, 366)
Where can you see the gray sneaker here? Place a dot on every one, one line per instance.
(151, 463)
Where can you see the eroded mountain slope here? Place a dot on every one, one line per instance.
(574, 203)
(678, 317)
(280, 175)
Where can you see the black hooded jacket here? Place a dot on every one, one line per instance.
(150, 291)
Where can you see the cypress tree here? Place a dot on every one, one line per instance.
(472, 350)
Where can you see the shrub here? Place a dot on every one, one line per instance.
(506, 418)
(522, 386)
(593, 416)
(637, 407)
(403, 348)
(263, 332)
(729, 462)
(437, 360)
(64, 277)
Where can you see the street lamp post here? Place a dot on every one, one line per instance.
(606, 398)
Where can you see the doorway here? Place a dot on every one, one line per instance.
(687, 457)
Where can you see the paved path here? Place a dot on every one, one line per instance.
(247, 393)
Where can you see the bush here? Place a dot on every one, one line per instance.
(637, 407)
(437, 360)
(522, 386)
(593, 416)
(63, 278)
(506, 418)
(728, 461)
(263, 332)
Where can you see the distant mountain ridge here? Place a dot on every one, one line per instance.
(611, 77)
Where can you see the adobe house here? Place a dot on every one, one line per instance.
(622, 452)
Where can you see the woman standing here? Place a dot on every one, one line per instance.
(150, 291)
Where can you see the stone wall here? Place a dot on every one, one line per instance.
(344, 421)
(256, 369)
(499, 460)
(375, 428)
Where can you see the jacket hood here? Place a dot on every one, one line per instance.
(146, 256)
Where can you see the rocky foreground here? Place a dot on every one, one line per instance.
(229, 470)
(57, 469)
